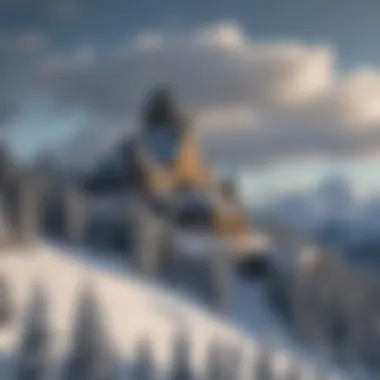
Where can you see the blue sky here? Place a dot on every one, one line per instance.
(39, 125)
(32, 32)
(350, 25)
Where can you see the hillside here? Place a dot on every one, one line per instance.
(132, 309)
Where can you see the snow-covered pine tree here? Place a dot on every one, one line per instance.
(147, 231)
(75, 213)
(181, 364)
(262, 365)
(308, 296)
(34, 353)
(31, 192)
(362, 326)
(214, 361)
(10, 195)
(279, 292)
(371, 354)
(92, 357)
(319, 372)
(219, 278)
(6, 308)
(293, 372)
(232, 362)
(370, 335)
(349, 349)
(143, 367)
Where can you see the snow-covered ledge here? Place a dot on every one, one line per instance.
(130, 309)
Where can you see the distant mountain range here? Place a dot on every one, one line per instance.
(335, 218)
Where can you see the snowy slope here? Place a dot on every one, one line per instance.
(133, 308)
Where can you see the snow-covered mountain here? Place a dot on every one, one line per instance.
(130, 309)
(298, 210)
(329, 210)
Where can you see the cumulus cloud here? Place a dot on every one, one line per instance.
(206, 68)
(253, 101)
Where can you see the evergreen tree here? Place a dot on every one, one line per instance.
(144, 368)
(232, 362)
(34, 353)
(75, 213)
(10, 185)
(319, 372)
(262, 365)
(6, 309)
(29, 192)
(92, 357)
(214, 361)
(293, 372)
(181, 358)
(146, 232)
(219, 275)
(223, 362)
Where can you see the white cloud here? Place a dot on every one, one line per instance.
(225, 70)
(262, 101)
(224, 34)
(148, 41)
